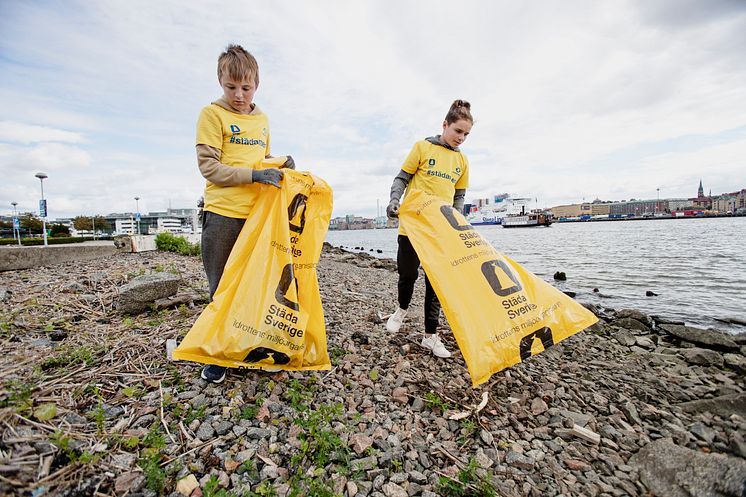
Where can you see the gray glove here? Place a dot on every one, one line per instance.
(392, 210)
(267, 176)
(289, 163)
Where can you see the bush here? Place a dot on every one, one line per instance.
(172, 243)
(57, 240)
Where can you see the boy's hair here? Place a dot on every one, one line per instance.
(460, 109)
(238, 64)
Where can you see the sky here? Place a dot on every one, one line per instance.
(572, 100)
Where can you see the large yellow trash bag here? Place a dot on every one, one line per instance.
(500, 313)
(266, 311)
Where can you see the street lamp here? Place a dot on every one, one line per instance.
(43, 206)
(137, 213)
(16, 224)
(658, 201)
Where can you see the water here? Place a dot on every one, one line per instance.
(696, 266)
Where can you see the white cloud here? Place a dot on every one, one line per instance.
(15, 132)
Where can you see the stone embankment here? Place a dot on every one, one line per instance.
(90, 404)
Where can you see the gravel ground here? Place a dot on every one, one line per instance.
(90, 405)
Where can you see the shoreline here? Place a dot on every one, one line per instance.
(589, 416)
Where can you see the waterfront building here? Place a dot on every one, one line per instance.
(170, 221)
(678, 204)
(740, 196)
(480, 202)
(725, 204)
(351, 222)
(637, 208)
(599, 208)
(569, 210)
(573, 210)
(701, 200)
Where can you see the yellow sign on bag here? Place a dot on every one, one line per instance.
(266, 311)
(500, 313)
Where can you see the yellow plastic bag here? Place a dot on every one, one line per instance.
(500, 313)
(266, 311)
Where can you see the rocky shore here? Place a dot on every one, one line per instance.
(91, 405)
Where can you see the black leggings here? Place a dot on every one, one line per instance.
(408, 265)
(219, 234)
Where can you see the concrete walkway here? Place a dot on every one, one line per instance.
(13, 257)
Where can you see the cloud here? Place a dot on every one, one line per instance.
(15, 132)
(571, 100)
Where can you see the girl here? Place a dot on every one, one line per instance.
(437, 166)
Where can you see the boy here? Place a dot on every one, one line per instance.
(232, 141)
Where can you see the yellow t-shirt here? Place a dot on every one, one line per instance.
(243, 140)
(437, 170)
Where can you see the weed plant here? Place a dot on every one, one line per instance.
(172, 243)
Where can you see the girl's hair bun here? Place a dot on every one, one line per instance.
(461, 103)
(460, 109)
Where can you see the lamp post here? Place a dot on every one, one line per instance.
(43, 206)
(658, 200)
(16, 224)
(137, 213)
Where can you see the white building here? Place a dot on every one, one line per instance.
(125, 226)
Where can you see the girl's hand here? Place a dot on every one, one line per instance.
(392, 210)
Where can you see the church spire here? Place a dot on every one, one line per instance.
(701, 191)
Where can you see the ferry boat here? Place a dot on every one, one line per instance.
(527, 220)
(483, 218)
(504, 205)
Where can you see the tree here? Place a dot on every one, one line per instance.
(31, 223)
(60, 230)
(102, 225)
(85, 223)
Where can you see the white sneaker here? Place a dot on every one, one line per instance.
(395, 320)
(433, 343)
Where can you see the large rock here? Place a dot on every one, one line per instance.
(708, 338)
(703, 357)
(735, 361)
(722, 406)
(673, 471)
(141, 293)
(631, 324)
(636, 315)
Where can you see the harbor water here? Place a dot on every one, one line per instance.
(697, 267)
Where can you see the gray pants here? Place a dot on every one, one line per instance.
(219, 234)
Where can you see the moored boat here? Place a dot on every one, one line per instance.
(527, 220)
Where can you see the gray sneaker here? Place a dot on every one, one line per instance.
(395, 320)
(433, 343)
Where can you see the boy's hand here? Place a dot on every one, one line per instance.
(392, 210)
(289, 163)
(267, 176)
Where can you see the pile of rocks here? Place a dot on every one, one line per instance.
(635, 405)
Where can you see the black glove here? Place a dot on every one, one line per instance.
(392, 210)
(289, 163)
(267, 176)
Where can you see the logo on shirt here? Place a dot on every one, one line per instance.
(431, 163)
(439, 174)
(458, 170)
(247, 141)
